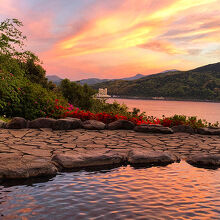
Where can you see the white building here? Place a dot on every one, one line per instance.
(103, 93)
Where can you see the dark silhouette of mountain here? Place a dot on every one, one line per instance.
(201, 83)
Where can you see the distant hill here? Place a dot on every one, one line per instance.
(166, 71)
(92, 81)
(138, 76)
(55, 79)
(202, 83)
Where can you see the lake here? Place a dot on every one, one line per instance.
(204, 110)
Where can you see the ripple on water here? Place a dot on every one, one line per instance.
(178, 191)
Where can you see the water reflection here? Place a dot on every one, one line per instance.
(204, 110)
(27, 182)
(178, 191)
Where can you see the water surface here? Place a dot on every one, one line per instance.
(204, 110)
(177, 191)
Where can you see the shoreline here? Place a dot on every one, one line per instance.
(165, 99)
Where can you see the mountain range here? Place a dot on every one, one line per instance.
(202, 83)
(91, 81)
(54, 78)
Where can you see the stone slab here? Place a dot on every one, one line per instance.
(89, 158)
(203, 160)
(15, 167)
(146, 157)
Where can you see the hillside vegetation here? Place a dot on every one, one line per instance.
(26, 92)
(202, 83)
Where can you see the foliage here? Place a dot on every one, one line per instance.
(183, 120)
(70, 111)
(12, 40)
(202, 83)
(80, 96)
(12, 52)
(36, 73)
(138, 119)
(22, 78)
(10, 65)
(192, 121)
(100, 105)
(2, 118)
(21, 97)
(11, 37)
(26, 92)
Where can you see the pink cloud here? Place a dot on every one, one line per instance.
(107, 38)
(162, 46)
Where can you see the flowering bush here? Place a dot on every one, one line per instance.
(20, 97)
(60, 111)
(183, 120)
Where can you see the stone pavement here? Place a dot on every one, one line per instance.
(44, 143)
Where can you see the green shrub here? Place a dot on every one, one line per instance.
(77, 95)
(2, 118)
(100, 105)
(20, 97)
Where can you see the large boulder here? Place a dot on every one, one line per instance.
(121, 124)
(201, 160)
(149, 158)
(93, 125)
(183, 128)
(42, 123)
(2, 124)
(90, 158)
(17, 168)
(153, 129)
(67, 124)
(16, 123)
(209, 131)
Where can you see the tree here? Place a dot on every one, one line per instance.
(12, 41)
(12, 52)
(80, 96)
(37, 74)
(11, 38)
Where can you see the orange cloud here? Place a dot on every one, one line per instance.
(107, 38)
(131, 25)
(162, 47)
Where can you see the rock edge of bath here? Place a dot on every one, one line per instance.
(75, 123)
(15, 167)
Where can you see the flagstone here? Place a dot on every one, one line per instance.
(31, 144)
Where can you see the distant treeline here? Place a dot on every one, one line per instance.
(202, 83)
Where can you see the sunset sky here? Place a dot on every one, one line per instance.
(80, 39)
